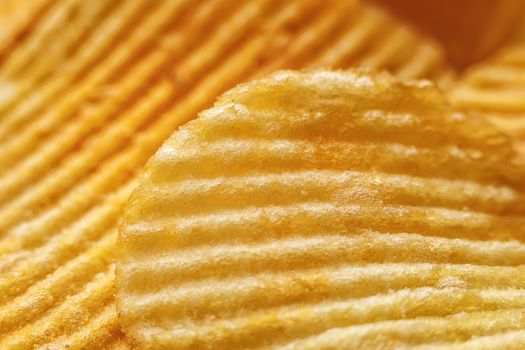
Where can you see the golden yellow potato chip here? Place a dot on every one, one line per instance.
(325, 210)
(90, 89)
(13, 12)
(495, 89)
(468, 29)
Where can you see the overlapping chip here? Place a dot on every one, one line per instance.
(326, 210)
(90, 89)
(495, 89)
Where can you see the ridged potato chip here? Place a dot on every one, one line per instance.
(495, 89)
(325, 210)
(90, 89)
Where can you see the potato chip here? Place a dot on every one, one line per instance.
(13, 10)
(90, 89)
(495, 89)
(468, 29)
(325, 209)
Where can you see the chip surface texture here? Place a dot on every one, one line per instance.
(326, 210)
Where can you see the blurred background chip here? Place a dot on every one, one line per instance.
(495, 89)
(469, 29)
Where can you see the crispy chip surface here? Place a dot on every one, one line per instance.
(90, 89)
(325, 210)
(495, 89)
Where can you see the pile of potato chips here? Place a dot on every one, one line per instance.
(331, 199)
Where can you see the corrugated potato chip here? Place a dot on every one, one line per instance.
(325, 210)
(90, 89)
(495, 89)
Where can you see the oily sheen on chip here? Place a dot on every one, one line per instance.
(326, 210)
(90, 89)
